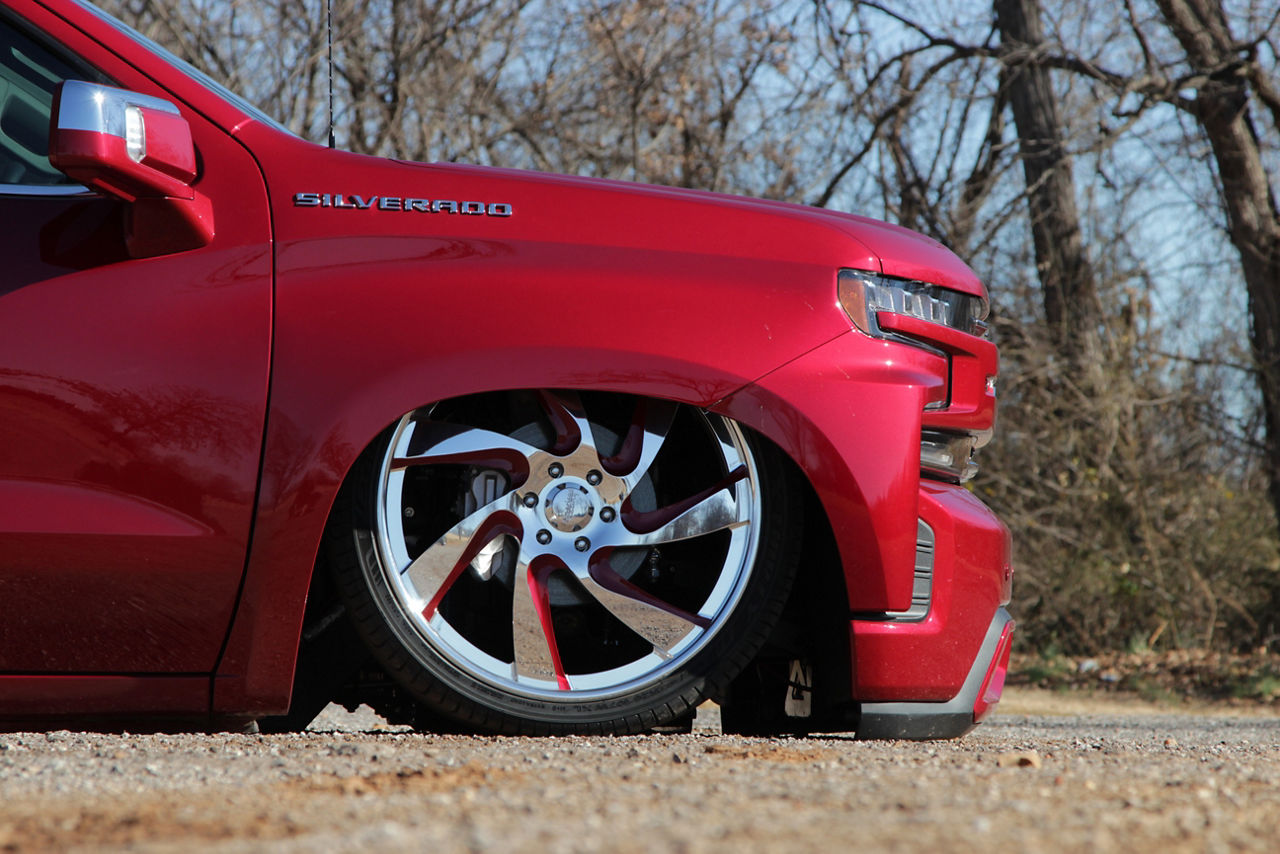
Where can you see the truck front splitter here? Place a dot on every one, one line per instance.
(955, 717)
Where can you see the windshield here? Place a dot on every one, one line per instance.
(187, 68)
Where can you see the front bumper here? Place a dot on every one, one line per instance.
(851, 414)
(936, 672)
(978, 695)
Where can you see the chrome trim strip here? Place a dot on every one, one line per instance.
(51, 190)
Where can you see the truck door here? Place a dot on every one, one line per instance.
(132, 392)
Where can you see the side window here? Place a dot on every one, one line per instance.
(29, 74)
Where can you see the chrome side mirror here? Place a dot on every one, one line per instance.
(138, 149)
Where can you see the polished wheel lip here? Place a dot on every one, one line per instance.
(579, 469)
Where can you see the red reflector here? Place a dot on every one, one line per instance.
(993, 684)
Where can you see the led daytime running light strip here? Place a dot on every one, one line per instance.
(864, 295)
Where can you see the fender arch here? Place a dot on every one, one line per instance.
(305, 467)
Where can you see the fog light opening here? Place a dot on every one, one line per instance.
(948, 456)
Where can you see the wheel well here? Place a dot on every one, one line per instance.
(813, 629)
(334, 666)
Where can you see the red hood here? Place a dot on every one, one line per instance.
(894, 250)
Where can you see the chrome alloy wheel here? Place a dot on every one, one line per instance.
(567, 564)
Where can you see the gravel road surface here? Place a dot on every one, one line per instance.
(1127, 782)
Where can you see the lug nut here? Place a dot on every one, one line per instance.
(593, 477)
(544, 536)
(582, 544)
(608, 514)
(530, 500)
(555, 470)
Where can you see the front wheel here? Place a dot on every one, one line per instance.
(553, 563)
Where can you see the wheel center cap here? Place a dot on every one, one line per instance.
(569, 507)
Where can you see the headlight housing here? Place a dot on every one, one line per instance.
(864, 295)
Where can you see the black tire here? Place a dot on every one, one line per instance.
(654, 546)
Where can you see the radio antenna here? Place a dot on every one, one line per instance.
(328, 31)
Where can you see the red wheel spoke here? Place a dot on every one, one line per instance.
(434, 571)
(650, 425)
(660, 623)
(713, 509)
(460, 445)
(572, 429)
(536, 654)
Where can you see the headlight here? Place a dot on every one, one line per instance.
(864, 295)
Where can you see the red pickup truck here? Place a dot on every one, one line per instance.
(489, 450)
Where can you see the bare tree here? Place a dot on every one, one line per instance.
(1071, 306)
(1228, 78)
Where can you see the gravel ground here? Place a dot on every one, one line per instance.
(1129, 781)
